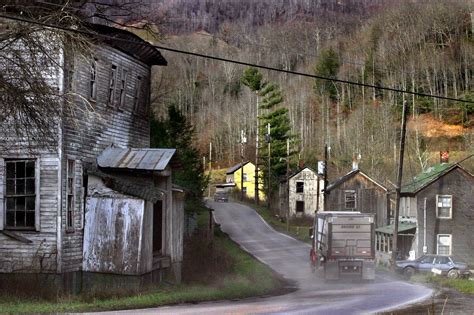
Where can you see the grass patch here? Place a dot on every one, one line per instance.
(462, 285)
(235, 274)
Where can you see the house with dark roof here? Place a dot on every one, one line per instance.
(242, 175)
(356, 191)
(97, 200)
(441, 202)
(301, 194)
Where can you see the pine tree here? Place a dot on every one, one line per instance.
(176, 132)
(328, 66)
(280, 128)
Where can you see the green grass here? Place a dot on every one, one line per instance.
(248, 277)
(461, 285)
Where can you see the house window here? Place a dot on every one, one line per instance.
(245, 178)
(112, 82)
(299, 187)
(20, 194)
(123, 87)
(137, 94)
(93, 80)
(71, 167)
(350, 200)
(444, 244)
(299, 206)
(443, 206)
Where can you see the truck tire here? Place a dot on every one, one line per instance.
(409, 271)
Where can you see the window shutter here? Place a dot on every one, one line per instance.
(37, 191)
(2, 189)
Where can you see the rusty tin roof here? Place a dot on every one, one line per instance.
(136, 158)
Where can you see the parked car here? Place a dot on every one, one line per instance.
(221, 196)
(439, 264)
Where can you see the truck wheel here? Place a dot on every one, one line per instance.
(453, 274)
(409, 271)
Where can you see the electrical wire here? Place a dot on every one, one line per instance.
(249, 64)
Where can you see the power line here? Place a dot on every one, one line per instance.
(248, 64)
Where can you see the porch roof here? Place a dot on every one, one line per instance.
(136, 158)
(402, 227)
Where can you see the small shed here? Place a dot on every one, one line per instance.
(134, 221)
(356, 191)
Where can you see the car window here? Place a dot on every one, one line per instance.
(426, 260)
(441, 260)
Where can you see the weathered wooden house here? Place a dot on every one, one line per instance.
(245, 173)
(441, 202)
(301, 193)
(97, 199)
(356, 191)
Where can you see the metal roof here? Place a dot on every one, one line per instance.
(402, 227)
(138, 159)
(235, 168)
(427, 177)
(349, 175)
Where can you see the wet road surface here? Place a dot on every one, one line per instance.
(290, 258)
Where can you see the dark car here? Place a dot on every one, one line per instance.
(439, 264)
(221, 196)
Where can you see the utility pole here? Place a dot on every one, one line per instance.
(268, 138)
(210, 165)
(399, 184)
(257, 199)
(243, 140)
(288, 184)
(326, 148)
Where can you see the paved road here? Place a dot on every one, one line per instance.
(290, 258)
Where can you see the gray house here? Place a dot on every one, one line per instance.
(356, 191)
(444, 225)
(300, 194)
(97, 200)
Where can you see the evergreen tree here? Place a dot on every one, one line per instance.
(176, 132)
(280, 129)
(328, 66)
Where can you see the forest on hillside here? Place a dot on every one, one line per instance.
(423, 46)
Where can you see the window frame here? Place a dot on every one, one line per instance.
(93, 80)
(137, 94)
(297, 187)
(70, 195)
(347, 193)
(123, 87)
(3, 196)
(438, 207)
(112, 84)
(450, 243)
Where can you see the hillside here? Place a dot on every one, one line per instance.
(423, 46)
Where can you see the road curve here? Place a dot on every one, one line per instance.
(290, 258)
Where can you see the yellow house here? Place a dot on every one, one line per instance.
(234, 175)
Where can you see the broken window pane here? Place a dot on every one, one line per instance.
(30, 169)
(20, 169)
